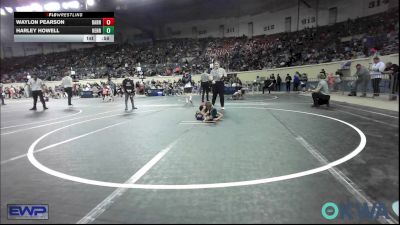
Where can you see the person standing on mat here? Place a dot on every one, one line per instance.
(218, 75)
(187, 82)
(2, 94)
(66, 82)
(278, 83)
(129, 89)
(363, 77)
(296, 81)
(36, 85)
(205, 85)
(112, 87)
(288, 79)
(273, 80)
(376, 74)
(393, 71)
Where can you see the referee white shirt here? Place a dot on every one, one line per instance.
(66, 82)
(217, 74)
(35, 85)
(377, 69)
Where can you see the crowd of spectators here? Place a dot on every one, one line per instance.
(168, 87)
(351, 39)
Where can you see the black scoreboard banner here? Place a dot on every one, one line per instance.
(64, 26)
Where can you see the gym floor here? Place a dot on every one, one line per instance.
(273, 159)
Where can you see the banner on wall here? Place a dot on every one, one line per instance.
(345, 65)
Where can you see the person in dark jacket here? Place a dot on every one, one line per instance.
(393, 71)
(296, 81)
(278, 83)
(288, 79)
(268, 84)
(129, 89)
(273, 82)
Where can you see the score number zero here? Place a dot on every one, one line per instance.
(107, 30)
(106, 22)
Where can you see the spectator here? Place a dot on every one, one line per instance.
(12, 92)
(376, 74)
(95, 91)
(2, 94)
(26, 90)
(296, 81)
(278, 82)
(303, 82)
(258, 82)
(164, 57)
(339, 79)
(393, 71)
(323, 72)
(331, 81)
(363, 77)
(268, 84)
(288, 79)
(273, 82)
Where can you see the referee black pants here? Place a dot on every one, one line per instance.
(205, 89)
(218, 89)
(69, 92)
(35, 95)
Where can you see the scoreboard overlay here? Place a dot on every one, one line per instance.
(64, 26)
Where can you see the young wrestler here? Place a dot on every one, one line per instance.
(211, 113)
(187, 82)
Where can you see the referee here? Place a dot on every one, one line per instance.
(205, 85)
(66, 82)
(218, 75)
(36, 87)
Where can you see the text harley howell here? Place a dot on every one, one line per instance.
(37, 31)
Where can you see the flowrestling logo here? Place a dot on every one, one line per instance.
(28, 212)
(356, 211)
